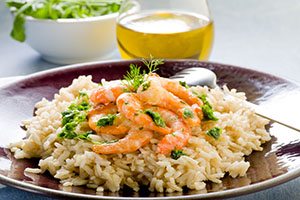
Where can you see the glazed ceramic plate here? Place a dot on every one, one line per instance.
(279, 161)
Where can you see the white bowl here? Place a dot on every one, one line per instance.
(66, 41)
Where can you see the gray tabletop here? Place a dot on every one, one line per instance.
(261, 35)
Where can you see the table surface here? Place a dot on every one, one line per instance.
(261, 35)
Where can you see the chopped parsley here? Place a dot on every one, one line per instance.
(71, 118)
(175, 154)
(85, 135)
(146, 86)
(188, 114)
(214, 132)
(107, 120)
(68, 116)
(83, 106)
(135, 77)
(83, 94)
(208, 113)
(141, 128)
(207, 109)
(126, 103)
(68, 131)
(183, 84)
(183, 102)
(158, 120)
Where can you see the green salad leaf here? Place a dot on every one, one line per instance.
(57, 9)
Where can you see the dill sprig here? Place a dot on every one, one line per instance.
(135, 77)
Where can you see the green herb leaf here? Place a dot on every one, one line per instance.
(85, 135)
(68, 131)
(183, 102)
(135, 77)
(83, 106)
(107, 120)
(83, 94)
(68, 116)
(146, 86)
(175, 154)
(183, 84)
(208, 113)
(71, 118)
(187, 114)
(214, 132)
(158, 120)
(207, 109)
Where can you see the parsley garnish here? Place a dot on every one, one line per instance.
(146, 86)
(107, 120)
(83, 106)
(183, 84)
(71, 118)
(214, 132)
(188, 114)
(183, 102)
(158, 120)
(83, 94)
(85, 135)
(207, 109)
(69, 131)
(175, 154)
(135, 78)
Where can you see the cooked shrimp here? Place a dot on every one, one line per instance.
(180, 131)
(103, 109)
(134, 140)
(155, 94)
(183, 93)
(108, 93)
(131, 107)
(120, 124)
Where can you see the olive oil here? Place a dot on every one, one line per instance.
(165, 35)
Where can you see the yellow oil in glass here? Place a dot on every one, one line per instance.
(165, 35)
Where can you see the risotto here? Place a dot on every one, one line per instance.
(202, 152)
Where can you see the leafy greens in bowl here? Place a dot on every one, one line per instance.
(67, 31)
(57, 9)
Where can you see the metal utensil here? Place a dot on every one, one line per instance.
(201, 76)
